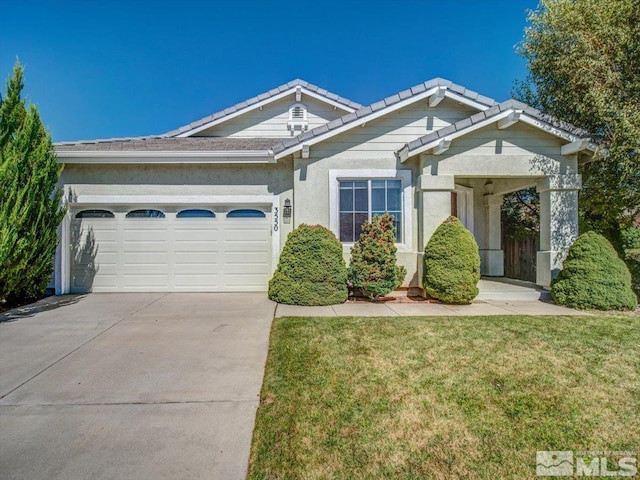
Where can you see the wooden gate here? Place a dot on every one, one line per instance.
(520, 257)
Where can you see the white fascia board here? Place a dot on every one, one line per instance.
(230, 156)
(465, 100)
(324, 99)
(83, 199)
(359, 121)
(546, 127)
(261, 104)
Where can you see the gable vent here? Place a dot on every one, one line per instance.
(297, 118)
(297, 113)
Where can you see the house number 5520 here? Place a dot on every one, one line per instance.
(275, 219)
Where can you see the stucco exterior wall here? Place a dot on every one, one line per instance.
(231, 181)
(518, 151)
(369, 149)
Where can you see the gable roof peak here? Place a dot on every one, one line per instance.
(262, 99)
(382, 107)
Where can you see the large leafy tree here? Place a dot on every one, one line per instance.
(584, 67)
(30, 207)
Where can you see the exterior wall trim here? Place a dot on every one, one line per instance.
(168, 156)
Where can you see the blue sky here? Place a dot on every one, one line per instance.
(100, 69)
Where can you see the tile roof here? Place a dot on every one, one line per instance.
(159, 143)
(364, 112)
(564, 127)
(170, 142)
(264, 96)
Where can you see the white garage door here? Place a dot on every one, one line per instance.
(170, 249)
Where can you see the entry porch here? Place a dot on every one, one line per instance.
(477, 202)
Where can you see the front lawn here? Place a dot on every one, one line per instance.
(454, 397)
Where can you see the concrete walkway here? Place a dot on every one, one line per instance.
(416, 309)
(144, 386)
(498, 296)
(507, 289)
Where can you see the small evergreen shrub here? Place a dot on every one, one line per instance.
(631, 244)
(451, 264)
(373, 270)
(311, 269)
(633, 264)
(593, 276)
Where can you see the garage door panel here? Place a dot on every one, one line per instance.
(188, 236)
(102, 259)
(146, 280)
(197, 258)
(100, 282)
(250, 281)
(204, 281)
(197, 246)
(159, 258)
(234, 249)
(251, 234)
(158, 235)
(247, 258)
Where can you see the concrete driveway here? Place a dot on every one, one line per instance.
(112, 386)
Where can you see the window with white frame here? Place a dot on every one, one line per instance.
(360, 200)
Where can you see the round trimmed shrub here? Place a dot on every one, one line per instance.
(451, 264)
(593, 276)
(311, 269)
(373, 269)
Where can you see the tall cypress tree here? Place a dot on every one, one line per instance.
(30, 208)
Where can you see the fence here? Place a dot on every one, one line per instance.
(520, 257)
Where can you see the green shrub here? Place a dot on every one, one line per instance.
(373, 270)
(633, 264)
(451, 264)
(631, 244)
(311, 270)
(30, 207)
(593, 276)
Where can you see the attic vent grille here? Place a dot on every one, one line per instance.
(297, 118)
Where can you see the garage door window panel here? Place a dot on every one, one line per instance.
(246, 213)
(94, 213)
(146, 213)
(196, 213)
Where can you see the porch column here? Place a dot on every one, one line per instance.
(435, 204)
(492, 255)
(558, 224)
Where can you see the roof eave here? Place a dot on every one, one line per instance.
(579, 144)
(165, 156)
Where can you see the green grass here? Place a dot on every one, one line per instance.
(465, 397)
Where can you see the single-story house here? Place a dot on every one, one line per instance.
(208, 206)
